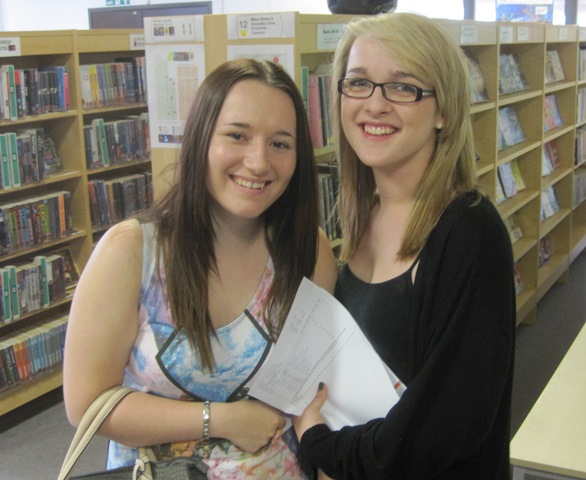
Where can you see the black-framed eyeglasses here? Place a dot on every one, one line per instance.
(393, 91)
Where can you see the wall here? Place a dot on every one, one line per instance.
(23, 15)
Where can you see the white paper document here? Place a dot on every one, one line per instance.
(321, 342)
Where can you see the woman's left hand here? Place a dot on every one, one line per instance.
(311, 415)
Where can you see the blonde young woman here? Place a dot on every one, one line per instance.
(429, 265)
(183, 303)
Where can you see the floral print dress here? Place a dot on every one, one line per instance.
(162, 363)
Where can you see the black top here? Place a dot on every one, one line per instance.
(383, 311)
(453, 420)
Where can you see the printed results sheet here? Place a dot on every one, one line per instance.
(321, 342)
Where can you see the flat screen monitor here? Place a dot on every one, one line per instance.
(132, 17)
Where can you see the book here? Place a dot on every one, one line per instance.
(551, 113)
(314, 111)
(549, 203)
(507, 179)
(9, 92)
(13, 159)
(500, 194)
(5, 162)
(70, 268)
(511, 77)
(517, 175)
(510, 131)
(51, 161)
(477, 83)
(519, 285)
(550, 157)
(546, 250)
(514, 228)
(553, 67)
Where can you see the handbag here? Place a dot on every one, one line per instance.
(146, 467)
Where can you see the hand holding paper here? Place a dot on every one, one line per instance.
(321, 342)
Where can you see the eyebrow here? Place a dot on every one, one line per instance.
(246, 126)
(399, 75)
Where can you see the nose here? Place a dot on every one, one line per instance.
(377, 103)
(257, 159)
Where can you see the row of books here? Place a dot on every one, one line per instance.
(113, 200)
(34, 221)
(28, 286)
(29, 353)
(315, 88)
(580, 153)
(26, 156)
(550, 204)
(328, 181)
(33, 91)
(117, 141)
(113, 83)
(510, 180)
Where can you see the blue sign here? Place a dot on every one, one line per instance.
(524, 12)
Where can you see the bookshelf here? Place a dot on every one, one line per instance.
(71, 226)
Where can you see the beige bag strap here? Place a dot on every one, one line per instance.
(89, 425)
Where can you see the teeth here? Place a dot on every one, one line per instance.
(247, 184)
(379, 130)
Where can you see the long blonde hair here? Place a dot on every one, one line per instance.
(426, 50)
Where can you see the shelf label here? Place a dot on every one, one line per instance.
(261, 25)
(506, 34)
(563, 34)
(328, 35)
(10, 47)
(523, 34)
(184, 28)
(582, 35)
(468, 34)
(137, 41)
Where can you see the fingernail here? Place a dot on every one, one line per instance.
(320, 386)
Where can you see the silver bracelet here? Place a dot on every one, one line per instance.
(206, 420)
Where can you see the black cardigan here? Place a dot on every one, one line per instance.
(453, 420)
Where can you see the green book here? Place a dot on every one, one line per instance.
(13, 159)
(5, 162)
(9, 69)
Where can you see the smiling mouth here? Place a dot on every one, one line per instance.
(372, 130)
(251, 185)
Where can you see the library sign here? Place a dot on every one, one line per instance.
(537, 11)
(114, 3)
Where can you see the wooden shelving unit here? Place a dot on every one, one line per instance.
(72, 49)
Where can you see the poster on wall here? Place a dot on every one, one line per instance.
(175, 67)
(536, 11)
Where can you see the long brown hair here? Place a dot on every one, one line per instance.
(426, 50)
(184, 220)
